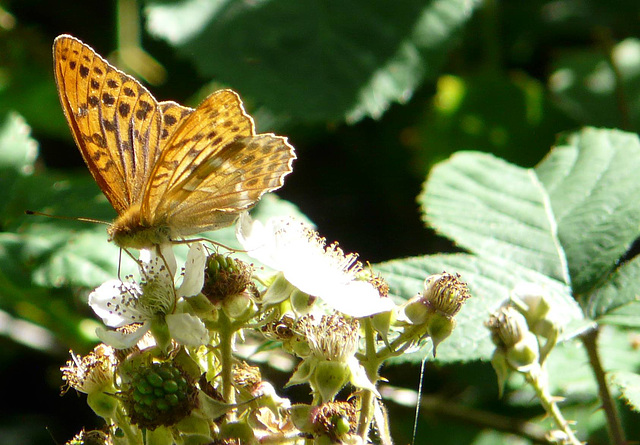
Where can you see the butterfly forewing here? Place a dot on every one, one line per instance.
(115, 121)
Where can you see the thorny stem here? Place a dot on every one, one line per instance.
(371, 364)
(590, 342)
(549, 404)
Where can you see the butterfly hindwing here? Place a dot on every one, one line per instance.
(233, 180)
(216, 166)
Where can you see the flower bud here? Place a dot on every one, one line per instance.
(510, 333)
(530, 300)
(225, 277)
(442, 298)
(239, 306)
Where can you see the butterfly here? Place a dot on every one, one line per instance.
(169, 171)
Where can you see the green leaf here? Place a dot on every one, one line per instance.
(629, 385)
(577, 209)
(592, 182)
(494, 208)
(315, 61)
(18, 152)
(490, 280)
(616, 302)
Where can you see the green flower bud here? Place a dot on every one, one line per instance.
(530, 300)
(439, 327)
(524, 354)
(434, 309)
(510, 333)
(225, 277)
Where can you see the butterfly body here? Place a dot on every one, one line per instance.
(169, 171)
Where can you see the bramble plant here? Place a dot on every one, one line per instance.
(170, 370)
(500, 308)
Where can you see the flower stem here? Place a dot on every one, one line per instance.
(227, 333)
(590, 342)
(536, 379)
(371, 364)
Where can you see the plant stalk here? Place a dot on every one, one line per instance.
(614, 425)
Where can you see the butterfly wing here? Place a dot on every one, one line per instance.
(173, 115)
(213, 167)
(115, 121)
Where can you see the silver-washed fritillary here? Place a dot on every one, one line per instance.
(168, 170)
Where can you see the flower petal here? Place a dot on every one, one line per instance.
(122, 340)
(257, 239)
(187, 329)
(357, 299)
(193, 279)
(114, 302)
(159, 262)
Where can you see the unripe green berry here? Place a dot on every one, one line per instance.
(159, 394)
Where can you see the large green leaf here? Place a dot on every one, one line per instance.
(576, 209)
(494, 208)
(592, 182)
(314, 60)
(490, 280)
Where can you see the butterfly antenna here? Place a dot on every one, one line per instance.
(415, 420)
(68, 218)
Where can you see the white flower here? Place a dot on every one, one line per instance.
(325, 272)
(153, 300)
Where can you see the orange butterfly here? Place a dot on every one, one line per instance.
(168, 170)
